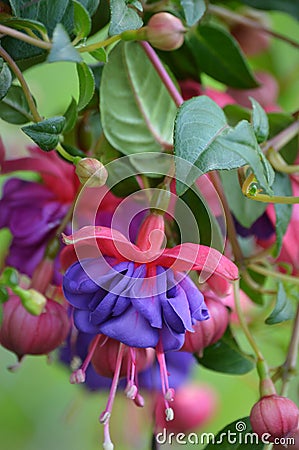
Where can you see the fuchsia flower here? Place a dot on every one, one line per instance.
(138, 294)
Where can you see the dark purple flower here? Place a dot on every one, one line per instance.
(262, 228)
(32, 213)
(123, 304)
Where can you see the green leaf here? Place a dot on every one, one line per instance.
(226, 356)
(14, 107)
(260, 121)
(218, 54)
(86, 85)
(82, 21)
(237, 435)
(203, 138)
(25, 24)
(62, 48)
(133, 97)
(123, 17)
(5, 79)
(193, 10)
(253, 294)
(281, 186)
(90, 5)
(4, 296)
(289, 6)
(207, 230)
(71, 116)
(283, 309)
(100, 54)
(245, 210)
(46, 133)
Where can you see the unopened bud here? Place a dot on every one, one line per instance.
(165, 31)
(275, 415)
(91, 171)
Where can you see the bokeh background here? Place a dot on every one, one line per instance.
(39, 409)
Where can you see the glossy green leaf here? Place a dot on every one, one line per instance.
(62, 48)
(5, 79)
(203, 138)
(237, 435)
(46, 133)
(123, 17)
(260, 121)
(226, 356)
(14, 107)
(100, 54)
(71, 116)
(283, 309)
(82, 21)
(245, 210)
(193, 10)
(86, 85)
(218, 54)
(289, 6)
(90, 5)
(133, 97)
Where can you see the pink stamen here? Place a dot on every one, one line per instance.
(79, 375)
(105, 416)
(167, 391)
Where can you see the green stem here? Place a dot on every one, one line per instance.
(231, 16)
(290, 363)
(25, 87)
(96, 45)
(279, 163)
(66, 155)
(281, 199)
(24, 37)
(243, 322)
(270, 273)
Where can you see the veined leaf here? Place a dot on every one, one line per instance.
(46, 133)
(123, 18)
(193, 10)
(260, 121)
(86, 85)
(203, 138)
(283, 309)
(82, 21)
(5, 79)
(133, 97)
(62, 48)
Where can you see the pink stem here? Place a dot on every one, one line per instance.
(170, 86)
(90, 353)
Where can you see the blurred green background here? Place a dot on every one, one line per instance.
(39, 409)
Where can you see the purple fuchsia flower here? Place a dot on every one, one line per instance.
(138, 294)
(32, 211)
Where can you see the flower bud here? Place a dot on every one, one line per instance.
(208, 331)
(33, 301)
(278, 416)
(91, 171)
(23, 333)
(291, 445)
(165, 31)
(193, 406)
(105, 356)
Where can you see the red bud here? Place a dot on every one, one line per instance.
(274, 415)
(24, 333)
(208, 331)
(165, 31)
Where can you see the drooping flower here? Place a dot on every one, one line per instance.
(138, 294)
(48, 202)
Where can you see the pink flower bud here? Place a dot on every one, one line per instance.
(291, 445)
(105, 356)
(92, 171)
(165, 31)
(193, 406)
(208, 331)
(275, 415)
(23, 333)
